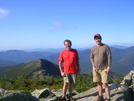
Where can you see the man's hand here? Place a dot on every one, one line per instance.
(63, 74)
(93, 65)
(108, 70)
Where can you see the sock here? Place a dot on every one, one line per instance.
(100, 95)
(64, 94)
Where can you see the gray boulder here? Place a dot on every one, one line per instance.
(6, 95)
(44, 95)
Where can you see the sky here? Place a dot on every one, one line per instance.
(29, 24)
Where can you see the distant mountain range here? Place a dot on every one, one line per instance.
(34, 69)
(122, 58)
(57, 50)
(20, 56)
(118, 46)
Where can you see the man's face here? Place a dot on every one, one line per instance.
(67, 45)
(97, 40)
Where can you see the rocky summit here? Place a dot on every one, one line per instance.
(119, 92)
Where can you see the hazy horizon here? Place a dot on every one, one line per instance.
(60, 48)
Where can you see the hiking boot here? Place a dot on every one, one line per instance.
(71, 99)
(62, 98)
(66, 97)
(100, 98)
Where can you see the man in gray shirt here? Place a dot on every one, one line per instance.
(101, 61)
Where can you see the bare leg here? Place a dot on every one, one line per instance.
(107, 90)
(99, 84)
(65, 87)
(71, 88)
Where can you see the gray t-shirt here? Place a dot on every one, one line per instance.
(101, 56)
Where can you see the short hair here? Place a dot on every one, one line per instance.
(69, 41)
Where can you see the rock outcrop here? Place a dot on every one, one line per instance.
(8, 95)
(119, 92)
(44, 94)
(129, 82)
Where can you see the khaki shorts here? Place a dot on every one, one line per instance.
(100, 75)
(70, 78)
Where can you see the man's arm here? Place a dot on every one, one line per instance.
(92, 58)
(61, 69)
(109, 55)
(78, 65)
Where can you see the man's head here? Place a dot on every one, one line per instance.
(68, 44)
(97, 36)
(97, 39)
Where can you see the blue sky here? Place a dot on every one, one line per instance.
(27, 24)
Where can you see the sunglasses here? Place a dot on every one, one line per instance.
(97, 37)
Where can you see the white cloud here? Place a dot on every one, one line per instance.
(3, 13)
(57, 24)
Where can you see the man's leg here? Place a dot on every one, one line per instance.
(105, 80)
(107, 90)
(65, 88)
(100, 97)
(97, 78)
(99, 84)
(70, 92)
(71, 89)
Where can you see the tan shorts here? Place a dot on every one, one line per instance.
(100, 75)
(70, 78)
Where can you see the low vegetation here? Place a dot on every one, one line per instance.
(21, 83)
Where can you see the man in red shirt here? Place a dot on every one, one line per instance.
(69, 68)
